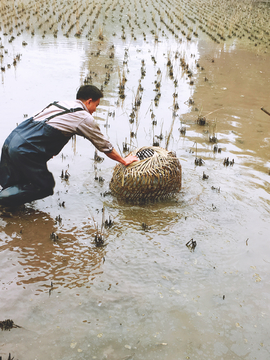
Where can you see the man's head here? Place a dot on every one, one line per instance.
(86, 92)
(90, 95)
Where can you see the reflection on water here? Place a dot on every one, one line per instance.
(41, 257)
(145, 295)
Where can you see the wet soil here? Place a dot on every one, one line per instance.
(144, 294)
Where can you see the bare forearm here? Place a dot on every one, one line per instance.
(114, 155)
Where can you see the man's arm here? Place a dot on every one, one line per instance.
(117, 157)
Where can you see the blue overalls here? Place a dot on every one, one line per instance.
(24, 175)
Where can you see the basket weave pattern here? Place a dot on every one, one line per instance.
(156, 176)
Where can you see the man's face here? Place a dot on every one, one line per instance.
(92, 105)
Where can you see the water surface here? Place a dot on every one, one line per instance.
(145, 295)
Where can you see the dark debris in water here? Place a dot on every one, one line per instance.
(191, 244)
(183, 130)
(9, 357)
(108, 223)
(146, 227)
(199, 162)
(98, 158)
(65, 175)
(54, 237)
(227, 162)
(217, 149)
(106, 193)
(201, 121)
(99, 240)
(213, 139)
(205, 177)
(51, 289)
(58, 219)
(125, 147)
(8, 325)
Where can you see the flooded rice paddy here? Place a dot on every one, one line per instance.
(187, 76)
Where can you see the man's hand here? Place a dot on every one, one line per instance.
(117, 157)
(130, 159)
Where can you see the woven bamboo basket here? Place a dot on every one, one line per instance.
(156, 176)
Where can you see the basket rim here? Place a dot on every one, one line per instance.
(159, 153)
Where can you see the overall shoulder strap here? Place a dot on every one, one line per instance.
(66, 110)
(54, 103)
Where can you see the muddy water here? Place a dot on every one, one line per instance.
(145, 294)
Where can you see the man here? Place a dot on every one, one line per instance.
(24, 175)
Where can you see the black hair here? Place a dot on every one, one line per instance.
(86, 92)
